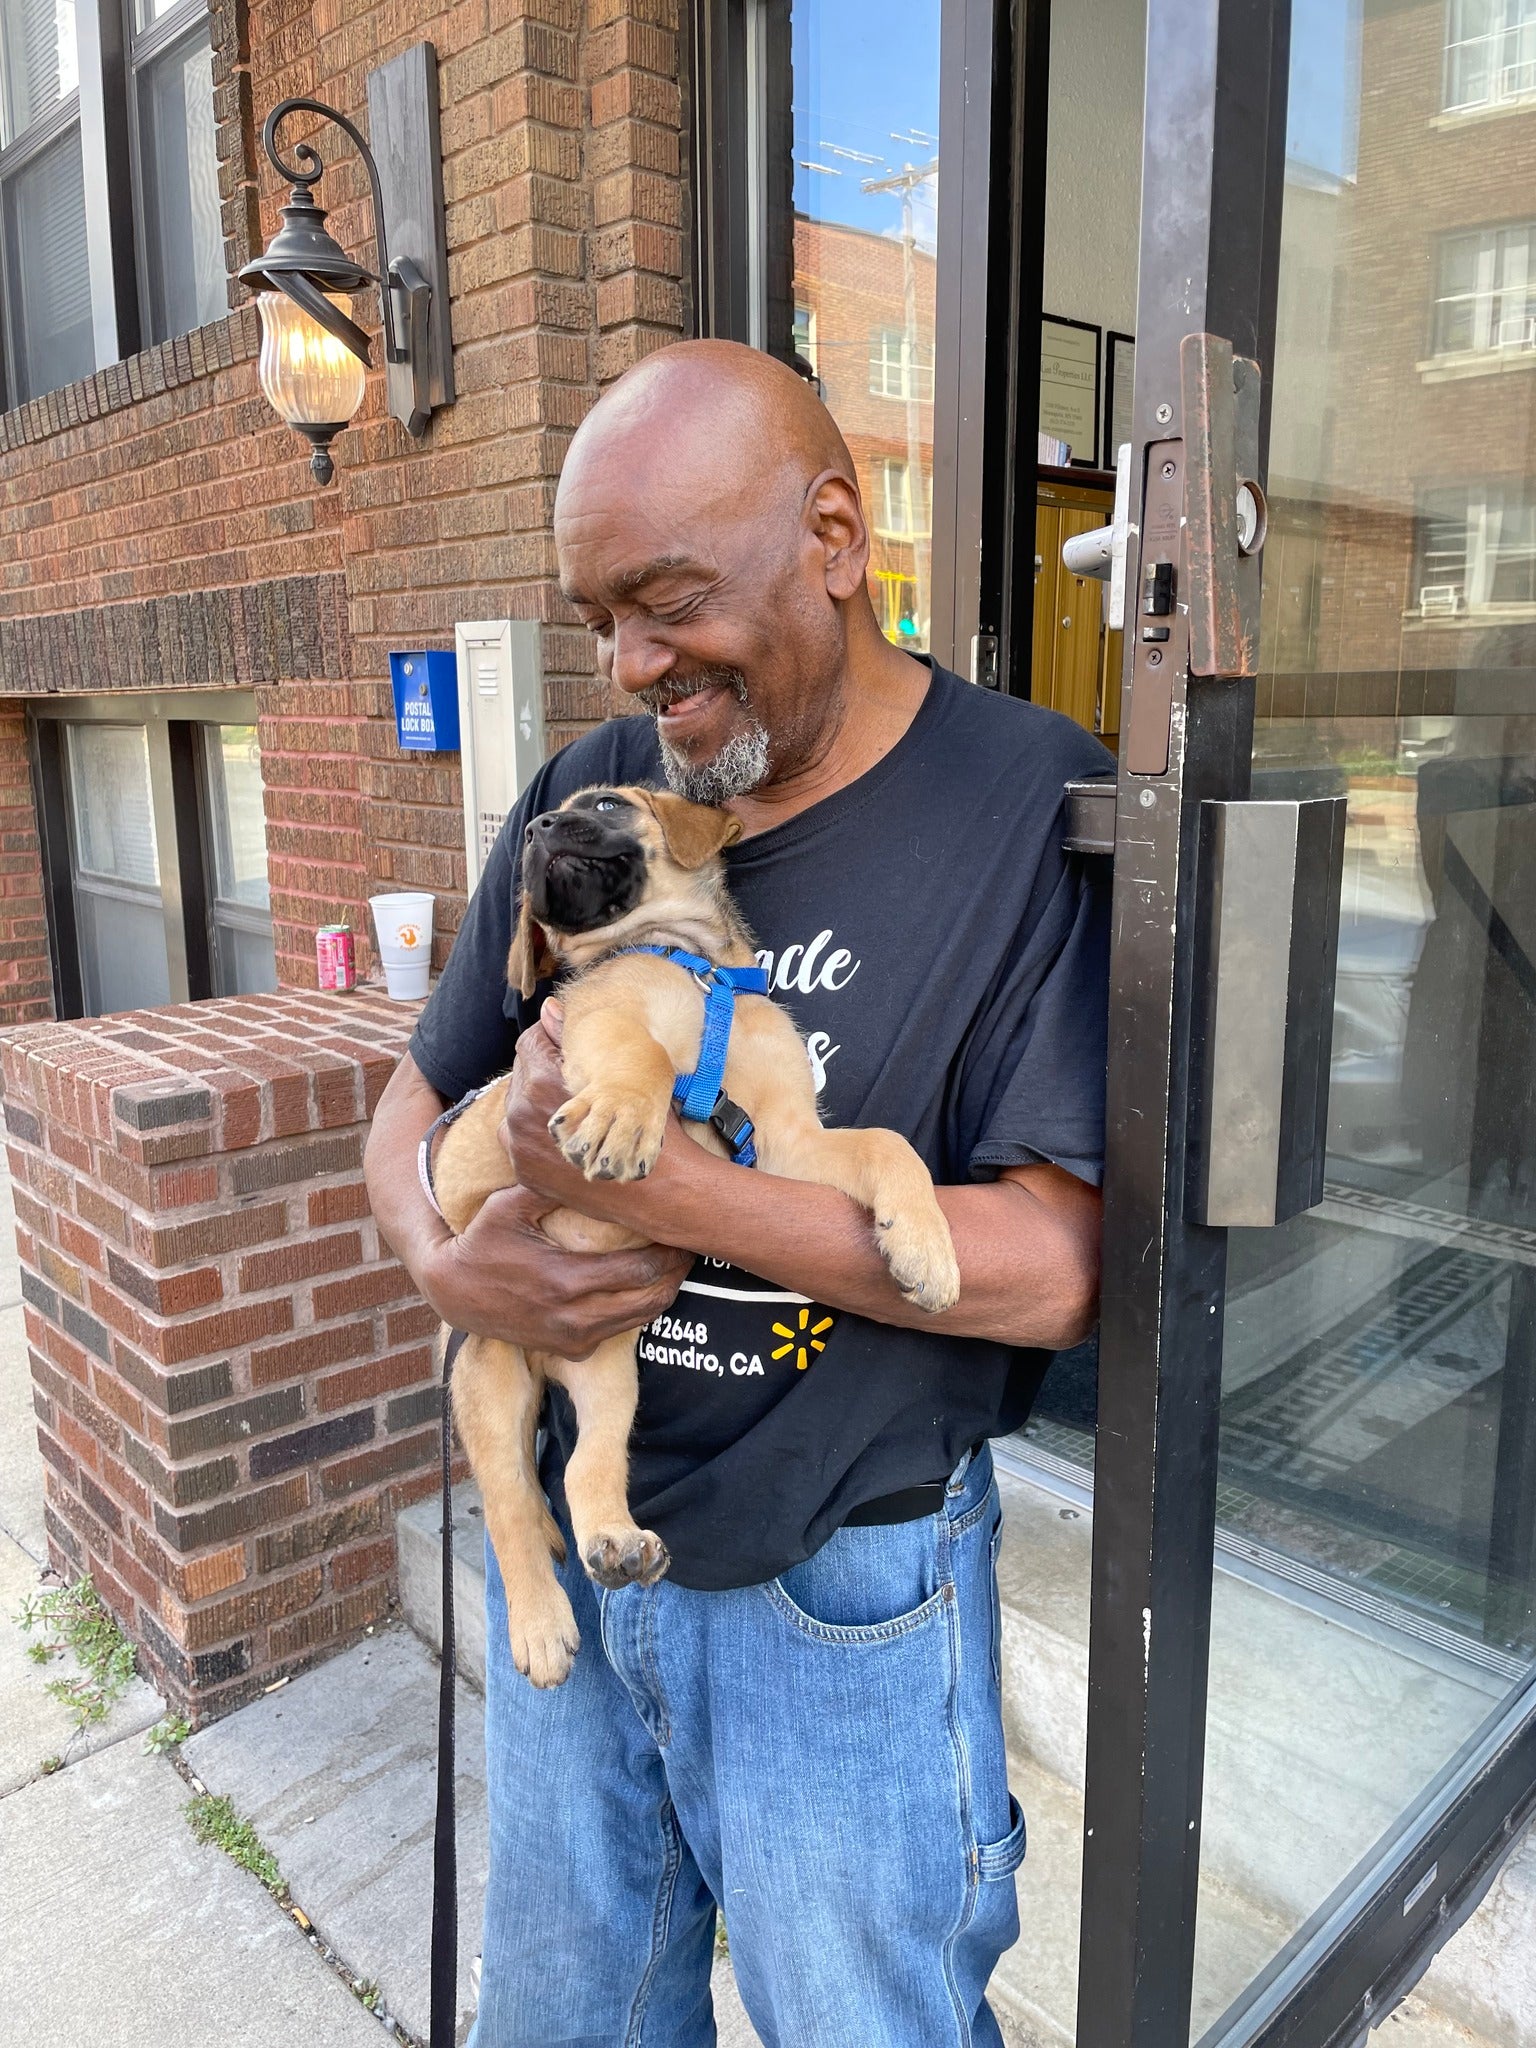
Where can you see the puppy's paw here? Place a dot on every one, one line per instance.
(544, 1638)
(921, 1256)
(610, 1135)
(625, 1557)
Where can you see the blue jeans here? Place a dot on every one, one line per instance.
(822, 1757)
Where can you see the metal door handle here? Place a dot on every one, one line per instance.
(1270, 876)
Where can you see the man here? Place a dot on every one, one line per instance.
(802, 1723)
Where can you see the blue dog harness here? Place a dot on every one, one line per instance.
(700, 1098)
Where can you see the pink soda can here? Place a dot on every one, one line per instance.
(335, 958)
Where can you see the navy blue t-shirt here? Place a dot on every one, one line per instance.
(947, 965)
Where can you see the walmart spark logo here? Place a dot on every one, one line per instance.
(805, 1338)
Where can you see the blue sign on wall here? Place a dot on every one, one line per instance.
(426, 701)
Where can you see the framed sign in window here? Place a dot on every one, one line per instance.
(1069, 386)
(1119, 373)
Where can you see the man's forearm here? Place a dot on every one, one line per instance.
(406, 1112)
(1028, 1272)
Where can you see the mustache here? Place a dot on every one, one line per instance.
(656, 697)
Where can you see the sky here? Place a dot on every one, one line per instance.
(1323, 126)
(866, 72)
(861, 73)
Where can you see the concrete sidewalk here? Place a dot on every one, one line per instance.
(120, 1928)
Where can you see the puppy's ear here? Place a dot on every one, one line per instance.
(530, 960)
(694, 832)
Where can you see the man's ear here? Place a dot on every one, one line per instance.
(530, 960)
(693, 832)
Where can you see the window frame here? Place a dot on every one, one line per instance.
(1490, 242)
(1462, 503)
(1494, 98)
(16, 157)
(173, 721)
(144, 47)
(111, 53)
(222, 914)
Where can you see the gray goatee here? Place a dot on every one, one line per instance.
(741, 764)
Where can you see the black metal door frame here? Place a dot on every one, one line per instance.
(1212, 189)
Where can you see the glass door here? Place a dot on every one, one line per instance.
(1300, 1766)
(1378, 1427)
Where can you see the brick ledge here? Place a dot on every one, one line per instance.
(182, 360)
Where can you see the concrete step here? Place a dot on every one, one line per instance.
(1319, 1735)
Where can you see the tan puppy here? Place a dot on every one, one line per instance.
(614, 868)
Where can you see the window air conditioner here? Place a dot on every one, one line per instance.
(1440, 600)
(1515, 330)
(1517, 80)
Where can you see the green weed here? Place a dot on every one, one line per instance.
(166, 1735)
(215, 1820)
(75, 1619)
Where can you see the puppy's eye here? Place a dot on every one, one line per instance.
(607, 803)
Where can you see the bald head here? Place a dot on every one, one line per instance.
(711, 539)
(730, 415)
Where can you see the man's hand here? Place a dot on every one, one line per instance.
(505, 1278)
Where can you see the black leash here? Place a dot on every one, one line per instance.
(445, 1862)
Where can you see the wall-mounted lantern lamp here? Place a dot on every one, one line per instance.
(313, 353)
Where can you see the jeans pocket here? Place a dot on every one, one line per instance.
(1002, 1859)
(866, 1584)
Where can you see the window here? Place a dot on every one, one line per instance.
(241, 911)
(899, 365)
(1487, 291)
(893, 511)
(71, 302)
(155, 850)
(805, 338)
(48, 336)
(1477, 549)
(115, 873)
(1490, 52)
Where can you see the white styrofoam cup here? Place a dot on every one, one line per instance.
(403, 923)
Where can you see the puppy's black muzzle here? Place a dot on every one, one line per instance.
(581, 870)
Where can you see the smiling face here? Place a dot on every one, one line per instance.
(709, 535)
(615, 867)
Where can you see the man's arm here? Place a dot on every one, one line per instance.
(503, 1277)
(1028, 1243)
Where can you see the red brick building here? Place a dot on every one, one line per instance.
(235, 1385)
(876, 374)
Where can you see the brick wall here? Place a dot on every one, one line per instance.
(167, 483)
(26, 979)
(235, 1383)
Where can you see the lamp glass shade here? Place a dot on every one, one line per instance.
(307, 376)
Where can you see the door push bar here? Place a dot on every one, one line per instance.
(1270, 873)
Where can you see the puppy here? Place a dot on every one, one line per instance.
(615, 868)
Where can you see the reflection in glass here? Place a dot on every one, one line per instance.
(116, 869)
(39, 63)
(866, 126)
(180, 172)
(245, 959)
(50, 279)
(1379, 1384)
